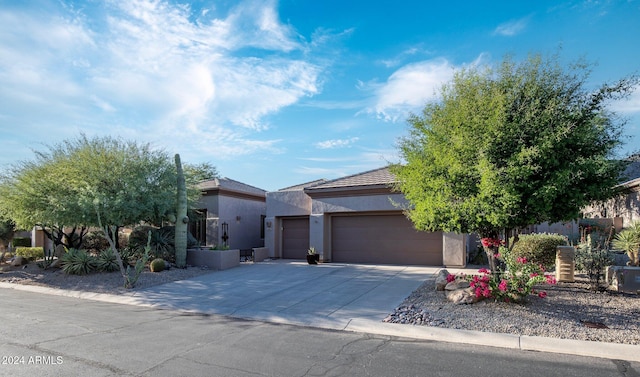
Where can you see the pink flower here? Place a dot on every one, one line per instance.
(533, 274)
(503, 286)
(484, 271)
(521, 260)
(551, 279)
(486, 292)
(497, 255)
(451, 278)
(542, 294)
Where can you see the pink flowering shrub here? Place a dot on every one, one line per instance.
(515, 284)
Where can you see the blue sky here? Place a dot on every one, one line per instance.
(276, 93)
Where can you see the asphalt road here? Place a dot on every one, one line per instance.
(43, 335)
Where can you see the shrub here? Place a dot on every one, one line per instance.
(157, 265)
(31, 253)
(629, 241)
(593, 257)
(78, 262)
(161, 241)
(107, 262)
(538, 248)
(94, 242)
(21, 241)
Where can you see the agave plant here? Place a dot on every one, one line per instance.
(107, 261)
(78, 262)
(629, 241)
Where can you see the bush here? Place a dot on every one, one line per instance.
(107, 262)
(21, 241)
(593, 257)
(538, 248)
(94, 242)
(31, 253)
(157, 265)
(162, 241)
(78, 262)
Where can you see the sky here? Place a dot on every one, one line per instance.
(277, 93)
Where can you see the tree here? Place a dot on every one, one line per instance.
(100, 182)
(511, 146)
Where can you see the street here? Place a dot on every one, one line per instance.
(43, 335)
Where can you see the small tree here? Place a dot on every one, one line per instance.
(511, 146)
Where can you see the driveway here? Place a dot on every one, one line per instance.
(328, 295)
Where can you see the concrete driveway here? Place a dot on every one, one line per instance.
(326, 295)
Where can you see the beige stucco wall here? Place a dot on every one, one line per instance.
(282, 204)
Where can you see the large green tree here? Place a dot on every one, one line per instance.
(99, 182)
(509, 146)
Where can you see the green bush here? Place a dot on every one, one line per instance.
(78, 262)
(593, 257)
(539, 248)
(31, 253)
(162, 241)
(21, 241)
(107, 262)
(94, 242)
(157, 265)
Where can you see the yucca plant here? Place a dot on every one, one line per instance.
(629, 241)
(78, 262)
(106, 261)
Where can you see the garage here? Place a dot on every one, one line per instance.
(295, 237)
(383, 239)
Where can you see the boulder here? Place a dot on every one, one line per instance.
(57, 263)
(19, 261)
(456, 284)
(441, 280)
(462, 296)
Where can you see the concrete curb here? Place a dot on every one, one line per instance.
(614, 351)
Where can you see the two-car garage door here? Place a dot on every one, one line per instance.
(383, 239)
(367, 238)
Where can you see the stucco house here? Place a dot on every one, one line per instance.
(231, 213)
(354, 219)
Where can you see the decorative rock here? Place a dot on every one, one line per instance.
(57, 263)
(441, 280)
(456, 284)
(19, 261)
(462, 296)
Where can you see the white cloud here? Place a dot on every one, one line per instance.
(409, 88)
(336, 143)
(511, 28)
(153, 69)
(630, 105)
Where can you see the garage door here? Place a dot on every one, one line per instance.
(383, 239)
(295, 238)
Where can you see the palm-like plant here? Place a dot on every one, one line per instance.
(629, 241)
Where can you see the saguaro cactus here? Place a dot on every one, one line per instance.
(182, 220)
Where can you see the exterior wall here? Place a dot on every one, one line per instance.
(244, 218)
(364, 203)
(282, 204)
(625, 206)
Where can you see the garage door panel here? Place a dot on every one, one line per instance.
(295, 238)
(384, 239)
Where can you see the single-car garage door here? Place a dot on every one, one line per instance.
(295, 238)
(383, 239)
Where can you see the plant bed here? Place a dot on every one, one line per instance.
(213, 259)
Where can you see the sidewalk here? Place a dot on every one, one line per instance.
(331, 296)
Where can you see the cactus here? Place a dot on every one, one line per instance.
(181, 218)
(157, 265)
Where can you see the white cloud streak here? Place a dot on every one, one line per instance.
(511, 28)
(336, 143)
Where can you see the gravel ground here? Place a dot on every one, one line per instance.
(104, 282)
(570, 311)
(567, 311)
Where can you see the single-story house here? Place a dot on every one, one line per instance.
(354, 219)
(230, 213)
(625, 206)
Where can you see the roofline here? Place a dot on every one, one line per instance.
(350, 176)
(332, 192)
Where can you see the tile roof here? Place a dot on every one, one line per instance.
(377, 177)
(303, 186)
(231, 185)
